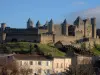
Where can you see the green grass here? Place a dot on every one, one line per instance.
(47, 49)
(96, 50)
(50, 50)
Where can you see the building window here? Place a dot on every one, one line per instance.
(57, 65)
(47, 63)
(39, 63)
(31, 63)
(61, 65)
(20, 63)
(25, 63)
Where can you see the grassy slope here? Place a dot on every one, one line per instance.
(96, 50)
(46, 49)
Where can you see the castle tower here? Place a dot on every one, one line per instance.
(51, 27)
(3, 34)
(65, 28)
(38, 24)
(29, 23)
(85, 29)
(93, 22)
(78, 21)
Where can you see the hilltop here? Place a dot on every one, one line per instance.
(46, 49)
(26, 47)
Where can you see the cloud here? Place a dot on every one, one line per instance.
(78, 3)
(93, 12)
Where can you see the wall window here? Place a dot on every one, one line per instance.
(25, 63)
(57, 65)
(31, 62)
(39, 63)
(61, 65)
(20, 63)
(47, 63)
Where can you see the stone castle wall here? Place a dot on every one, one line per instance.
(66, 39)
(34, 38)
(70, 32)
(46, 38)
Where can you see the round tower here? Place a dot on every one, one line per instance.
(51, 27)
(3, 34)
(93, 22)
(85, 29)
(65, 28)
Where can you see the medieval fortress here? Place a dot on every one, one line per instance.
(50, 32)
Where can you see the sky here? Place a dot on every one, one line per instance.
(15, 13)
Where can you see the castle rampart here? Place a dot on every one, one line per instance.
(51, 32)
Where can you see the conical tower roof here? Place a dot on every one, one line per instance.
(51, 21)
(78, 18)
(29, 20)
(65, 21)
(38, 23)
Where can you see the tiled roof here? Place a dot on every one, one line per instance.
(30, 57)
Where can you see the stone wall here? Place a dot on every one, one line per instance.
(57, 29)
(34, 38)
(42, 31)
(46, 38)
(49, 38)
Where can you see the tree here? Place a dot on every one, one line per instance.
(12, 68)
(25, 70)
(86, 68)
(9, 69)
(83, 46)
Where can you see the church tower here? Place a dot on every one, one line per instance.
(65, 28)
(29, 23)
(93, 22)
(51, 27)
(38, 24)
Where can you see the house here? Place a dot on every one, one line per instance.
(60, 64)
(38, 65)
(42, 65)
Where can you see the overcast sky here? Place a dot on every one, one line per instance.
(15, 13)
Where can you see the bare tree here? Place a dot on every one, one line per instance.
(12, 68)
(25, 70)
(86, 68)
(9, 69)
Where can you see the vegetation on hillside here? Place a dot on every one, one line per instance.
(96, 49)
(26, 47)
(47, 49)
